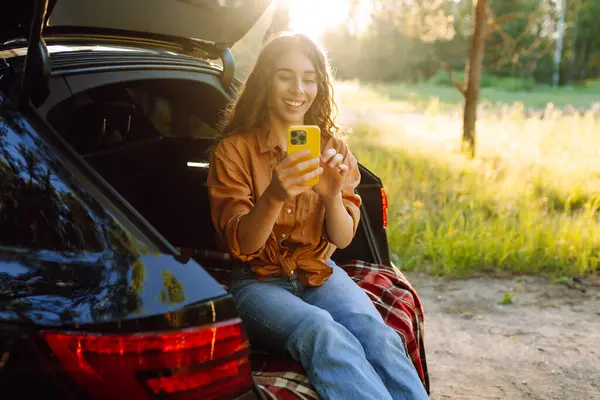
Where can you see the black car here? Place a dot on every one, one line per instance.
(108, 112)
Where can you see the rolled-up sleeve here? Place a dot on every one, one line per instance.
(230, 200)
(351, 199)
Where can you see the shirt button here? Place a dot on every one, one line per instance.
(289, 211)
(283, 235)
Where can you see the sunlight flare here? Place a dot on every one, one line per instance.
(314, 17)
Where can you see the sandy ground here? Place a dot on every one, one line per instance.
(545, 345)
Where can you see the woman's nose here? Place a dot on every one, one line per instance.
(298, 87)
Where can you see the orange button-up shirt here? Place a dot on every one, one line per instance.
(240, 171)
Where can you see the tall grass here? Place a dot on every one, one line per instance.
(528, 204)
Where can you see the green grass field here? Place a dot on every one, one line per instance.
(528, 204)
(422, 96)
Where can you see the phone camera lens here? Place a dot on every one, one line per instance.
(294, 141)
(294, 134)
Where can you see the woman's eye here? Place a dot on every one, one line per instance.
(285, 78)
(310, 81)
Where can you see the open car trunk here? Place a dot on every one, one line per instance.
(218, 22)
(150, 138)
(151, 141)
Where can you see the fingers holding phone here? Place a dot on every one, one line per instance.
(305, 139)
(300, 170)
(291, 176)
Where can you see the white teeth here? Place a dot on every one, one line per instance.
(293, 103)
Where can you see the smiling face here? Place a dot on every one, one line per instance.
(293, 89)
(290, 84)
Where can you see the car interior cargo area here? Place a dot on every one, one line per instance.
(151, 141)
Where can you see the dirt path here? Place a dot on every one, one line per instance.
(546, 345)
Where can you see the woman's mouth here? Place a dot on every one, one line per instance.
(293, 103)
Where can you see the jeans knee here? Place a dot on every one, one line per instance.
(311, 325)
(318, 332)
(374, 334)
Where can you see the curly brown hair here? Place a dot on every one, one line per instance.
(249, 110)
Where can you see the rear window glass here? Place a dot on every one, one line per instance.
(115, 116)
(42, 207)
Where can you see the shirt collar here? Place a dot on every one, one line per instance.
(266, 140)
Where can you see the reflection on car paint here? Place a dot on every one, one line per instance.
(63, 258)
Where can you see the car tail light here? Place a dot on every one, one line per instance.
(384, 207)
(204, 363)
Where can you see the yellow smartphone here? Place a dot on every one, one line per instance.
(305, 137)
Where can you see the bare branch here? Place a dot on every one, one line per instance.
(509, 43)
(493, 26)
(530, 49)
(530, 23)
(547, 49)
(528, 52)
(508, 40)
(495, 23)
(458, 85)
(516, 15)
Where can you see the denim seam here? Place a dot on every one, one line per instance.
(298, 346)
(307, 353)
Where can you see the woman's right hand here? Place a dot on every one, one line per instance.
(288, 180)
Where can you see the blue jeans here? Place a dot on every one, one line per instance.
(334, 331)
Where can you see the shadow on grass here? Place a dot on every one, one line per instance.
(567, 203)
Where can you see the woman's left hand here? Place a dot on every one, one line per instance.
(332, 178)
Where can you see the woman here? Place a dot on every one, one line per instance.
(291, 296)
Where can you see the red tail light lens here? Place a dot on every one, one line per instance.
(384, 207)
(206, 363)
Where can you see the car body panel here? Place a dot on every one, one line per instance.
(64, 259)
(221, 22)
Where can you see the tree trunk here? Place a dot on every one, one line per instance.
(559, 42)
(570, 70)
(474, 77)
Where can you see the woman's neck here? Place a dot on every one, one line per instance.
(279, 128)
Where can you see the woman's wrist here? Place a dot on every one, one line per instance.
(271, 198)
(333, 201)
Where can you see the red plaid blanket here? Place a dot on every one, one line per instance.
(399, 305)
(282, 378)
